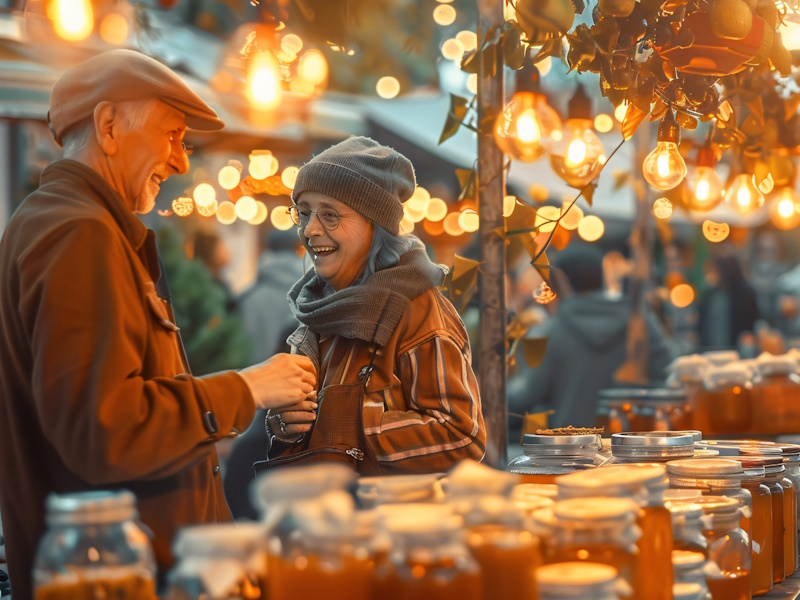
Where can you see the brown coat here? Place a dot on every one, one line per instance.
(93, 390)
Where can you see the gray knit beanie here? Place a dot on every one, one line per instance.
(370, 178)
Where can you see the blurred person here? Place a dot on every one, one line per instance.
(396, 390)
(587, 343)
(95, 391)
(729, 307)
(215, 254)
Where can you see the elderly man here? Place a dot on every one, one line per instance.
(95, 391)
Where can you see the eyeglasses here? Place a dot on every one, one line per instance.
(328, 218)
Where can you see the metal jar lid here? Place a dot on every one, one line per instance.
(571, 575)
(611, 481)
(687, 558)
(652, 444)
(697, 436)
(654, 395)
(596, 509)
(589, 439)
(718, 506)
(773, 464)
(706, 468)
(90, 508)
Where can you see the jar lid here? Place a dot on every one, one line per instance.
(730, 375)
(220, 539)
(726, 447)
(715, 505)
(760, 450)
(297, 483)
(705, 468)
(532, 439)
(689, 368)
(574, 574)
(787, 449)
(415, 519)
(681, 494)
(470, 477)
(697, 436)
(687, 591)
(705, 452)
(721, 357)
(595, 509)
(85, 508)
(397, 488)
(686, 510)
(643, 394)
(628, 479)
(770, 364)
(651, 438)
(687, 558)
(524, 490)
(773, 465)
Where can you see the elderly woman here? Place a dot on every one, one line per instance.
(396, 391)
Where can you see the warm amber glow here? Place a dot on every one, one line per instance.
(509, 204)
(291, 44)
(281, 219)
(715, 232)
(576, 152)
(703, 190)
(114, 29)
(444, 15)
(469, 221)
(546, 218)
(73, 19)
(406, 226)
(313, 67)
(539, 192)
(387, 87)
(664, 168)
(783, 209)
(603, 123)
(472, 83)
(571, 215)
(204, 195)
(420, 199)
(262, 164)
(527, 128)
(436, 210)
(451, 225)
(263, 81)
(261, 213)
(207, 211)
(591, 228)
(413, 214)
(183, 207)
(289, 176)
(226, 212)
(246, 208)
(229, 177)
(662, 208)
(743, 195)
(468, 39)
(452, 49)
(682, 295)
(620, 111)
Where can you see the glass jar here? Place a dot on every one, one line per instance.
(94, 547)
(650, 446)
(219, 562)
(777, 395)
(429, 559)
(791, 459)
(681, 494)
(728, 548)
(645, 484)
(687, 530)
(528, 497)
(721, 358)
(577, 581)
(548, 456)
(714, 476)
(688, 591)
(724, 405)
(398, 489)
(500, 540)
(646, 409)
(596, 530)
(687, 373)
(690, 567)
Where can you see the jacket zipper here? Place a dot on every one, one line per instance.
(354, 453)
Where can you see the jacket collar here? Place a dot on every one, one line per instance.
(86, 179)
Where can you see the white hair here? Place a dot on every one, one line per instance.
(134, 114)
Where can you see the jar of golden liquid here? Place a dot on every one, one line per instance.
(650, 446)
(595, 530)
(688, 591)
(499, 536)
(429, 558)
(776, 396)
(645, 484)
(791, 459)
(549, 456)
(94, 547)
(691, 567)
(724, 405)
(577, 581)
(219, 562)
(687, 529)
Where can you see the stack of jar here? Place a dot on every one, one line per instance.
(549, 456)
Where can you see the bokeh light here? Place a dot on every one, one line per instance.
(469, 220)
(114, 29)
(452, 49)
(451, 226)
(621, 111)
(472, 83)
(281, 219)
(406, 226)
(387, 87)
(289, 176)
(261, 213)
(183, 206)
(468, 39)
(291, 43)
(591, 228)
(262, 164)
(263, 81)
(207, 211)
(313, 67)
(204, 195)
(419, 199)
(226, 212)
(682, 295)
(73, 19)
(229, 177)
(444, 15)
(412, 214)
(546, 218)
(436, 210)
(246, 208)
(603, 123)
(662, 208)
(539, 192)
(571, 216)
(715, 232)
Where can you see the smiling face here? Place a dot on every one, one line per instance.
(150, 154)
(340, 255)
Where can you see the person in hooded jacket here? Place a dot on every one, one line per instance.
(587, 343)
(396, 390)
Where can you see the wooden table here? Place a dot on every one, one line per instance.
(789, 589)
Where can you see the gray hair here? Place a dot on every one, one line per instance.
(134, 115)
(386, 250)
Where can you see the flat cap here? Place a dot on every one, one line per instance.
(118, 76)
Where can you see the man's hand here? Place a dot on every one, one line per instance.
(283, 381)
(295, 419)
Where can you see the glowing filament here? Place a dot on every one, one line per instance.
(703, 189)
(576, 153)
(263, 87)
(528, 128)
(743, 197)
(786, 207)
(662, 164)
(74, 19)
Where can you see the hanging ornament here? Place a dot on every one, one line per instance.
(783, 209)
(544, 295)
(579, 156)
(705, 186)
(715, 232)
(743, 196)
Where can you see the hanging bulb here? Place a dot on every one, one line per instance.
(578, 157)
(743, 196)
(664, 168)
(73, 19)
(783, 209)
(527, 127)
(705, 186)
(263, 81)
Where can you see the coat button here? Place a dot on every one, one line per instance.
(216, 470)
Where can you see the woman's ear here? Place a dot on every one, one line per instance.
(106, 127)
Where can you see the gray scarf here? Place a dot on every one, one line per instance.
(369, 311)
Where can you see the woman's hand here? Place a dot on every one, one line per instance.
(283, 381)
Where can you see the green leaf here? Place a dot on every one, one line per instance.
(534, 349)
(455, 116)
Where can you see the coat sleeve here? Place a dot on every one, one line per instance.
(444, 423)
(101, 396)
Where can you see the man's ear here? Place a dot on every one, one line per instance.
(106, 127)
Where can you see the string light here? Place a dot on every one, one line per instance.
(444, 15)
(419, 199)
(387, 87)
(291, 44)
(591, 228)
(468, 39)
(705, 186)
(228, 177)
(453, 50)
(662, 208)
(262, 164)
(743, 196)
(289, 177)
(226, 212)
(469, 220)
(603, 123)
(575, 158)
(263, 81)
(783, 209)
(313, 67)
(204, 195)
(73, 19)
(114, 29)
(281, 219)
(436, 210)
(664, 168)
(451, 225)
(571, 216)
(261, 213)
(246, 208)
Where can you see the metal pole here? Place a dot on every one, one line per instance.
(491, 277)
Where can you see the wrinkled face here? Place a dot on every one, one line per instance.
(339, 254)
(150, 154)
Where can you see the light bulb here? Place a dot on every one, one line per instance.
(576, 158)
(705, 189)
(664, 168)
(263, 81)
(743, 196)
(313, 67)
(782, 211)
(74, 19)
(527, 127)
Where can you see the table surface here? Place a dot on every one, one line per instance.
(789, 589)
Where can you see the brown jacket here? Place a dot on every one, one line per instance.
(93, 390)
(422, 410)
